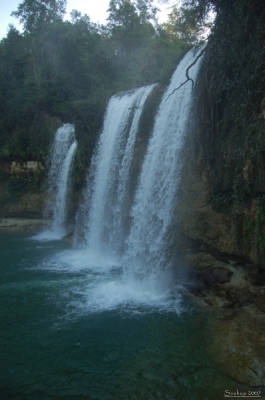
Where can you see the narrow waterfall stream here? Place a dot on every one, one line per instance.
(59, 216)
(61, 160)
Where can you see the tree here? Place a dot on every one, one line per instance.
(146, 10)
(35, 14)
(193, 18)
(66, 70)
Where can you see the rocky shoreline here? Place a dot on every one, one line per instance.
(233, 295)
(21, 224)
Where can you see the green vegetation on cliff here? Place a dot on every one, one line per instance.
(230, 107)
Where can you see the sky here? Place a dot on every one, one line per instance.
(96, 9)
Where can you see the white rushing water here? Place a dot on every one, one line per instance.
(61, 160)
(153, 208)
(121, 256)
(107, 190)
(127, 233)
(59, 216)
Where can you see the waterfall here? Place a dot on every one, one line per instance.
(107, 190)
(127, 228)
(61, 160)
(152, 213)
(59, 216)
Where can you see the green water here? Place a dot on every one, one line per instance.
(56, 344)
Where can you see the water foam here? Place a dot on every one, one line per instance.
(98, 285)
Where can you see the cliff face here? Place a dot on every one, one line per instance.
(220, 216)
(23, 194)
(195, 217)
(21, 190)
(222, 195)
(234, 222)
(231, 227)
(30, 205)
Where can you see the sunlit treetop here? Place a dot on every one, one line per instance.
(34, 14)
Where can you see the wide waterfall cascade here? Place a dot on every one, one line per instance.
(124, 226)
(155, 198)
(61, 160)
(107, 190)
